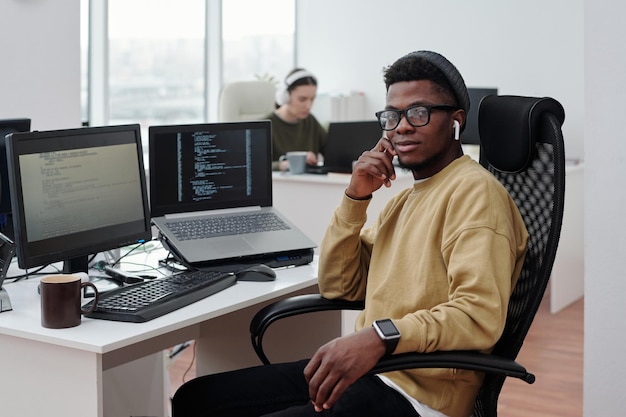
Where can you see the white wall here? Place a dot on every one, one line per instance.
(605, 200)
(532, 47)
(40, 67)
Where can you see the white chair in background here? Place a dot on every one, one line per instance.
(246, 100)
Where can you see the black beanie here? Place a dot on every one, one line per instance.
(451, 73)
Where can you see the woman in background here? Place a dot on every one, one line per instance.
(294, 128)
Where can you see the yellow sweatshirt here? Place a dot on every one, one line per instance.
(441, 261)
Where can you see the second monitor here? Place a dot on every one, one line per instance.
(8, 126)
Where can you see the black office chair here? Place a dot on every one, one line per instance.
(522, 145)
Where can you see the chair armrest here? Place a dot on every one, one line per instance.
(310, 303)
(288, 307)
(470, 360)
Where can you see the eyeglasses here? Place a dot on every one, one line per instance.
(417, 116)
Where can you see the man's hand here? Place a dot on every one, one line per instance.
(373, 169)
(337, 364)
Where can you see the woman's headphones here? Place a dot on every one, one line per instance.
(282, 93)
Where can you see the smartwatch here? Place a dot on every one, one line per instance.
(389, 334)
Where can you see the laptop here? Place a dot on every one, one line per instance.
(345, 142)
(220, 173)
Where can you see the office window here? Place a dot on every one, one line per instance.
(164, 61)
(258, 39)
(84, 60)
(156, 61)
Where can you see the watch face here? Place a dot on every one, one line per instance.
(388, 328)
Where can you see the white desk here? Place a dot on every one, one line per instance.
(568, 273)
(99, 368)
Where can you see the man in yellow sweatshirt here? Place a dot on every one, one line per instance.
(435, 270)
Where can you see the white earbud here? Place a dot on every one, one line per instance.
(457, 130)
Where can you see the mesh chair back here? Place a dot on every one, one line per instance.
(522, 145)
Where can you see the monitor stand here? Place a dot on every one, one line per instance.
(102, 283)
(5, 302)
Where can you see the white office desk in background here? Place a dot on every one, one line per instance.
(568, 274)
(113, 369)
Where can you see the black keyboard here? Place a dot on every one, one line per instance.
(148, 300)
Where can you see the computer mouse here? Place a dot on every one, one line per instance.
(259, 272)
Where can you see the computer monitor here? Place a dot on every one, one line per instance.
(75, 193)
(8, 126)
(470, 134)
(346, 141)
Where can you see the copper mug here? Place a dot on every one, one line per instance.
(61, 301)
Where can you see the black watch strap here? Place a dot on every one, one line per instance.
(390, 345)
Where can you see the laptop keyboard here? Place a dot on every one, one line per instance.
(226, 226)
(148, 300)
